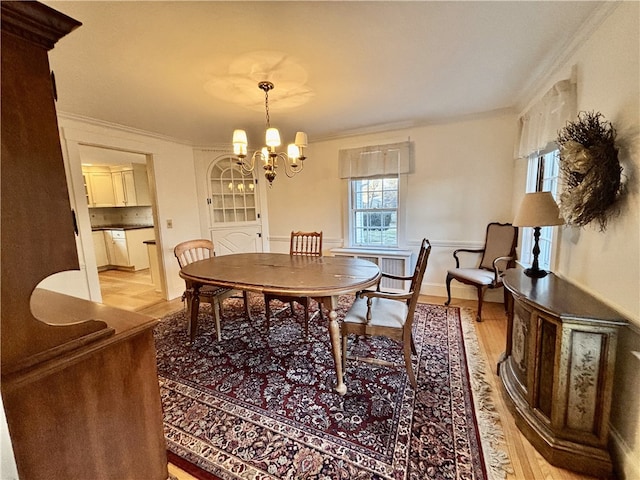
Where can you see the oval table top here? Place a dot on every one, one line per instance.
(285, 274)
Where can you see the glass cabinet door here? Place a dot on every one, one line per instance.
(232, 194)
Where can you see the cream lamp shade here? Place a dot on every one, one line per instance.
(537, 209)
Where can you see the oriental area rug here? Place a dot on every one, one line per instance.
(260, 404)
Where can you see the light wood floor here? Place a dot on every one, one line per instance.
(129, 291)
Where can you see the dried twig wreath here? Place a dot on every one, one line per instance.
(592, 172)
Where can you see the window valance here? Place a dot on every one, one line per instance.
(376, 160)
(540, 124)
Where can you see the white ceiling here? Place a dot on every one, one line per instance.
(189, 70)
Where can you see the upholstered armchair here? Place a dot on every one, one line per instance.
(498, 254)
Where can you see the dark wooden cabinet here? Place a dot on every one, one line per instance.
(557, 369)
(78, 379)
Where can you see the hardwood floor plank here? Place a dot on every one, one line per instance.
(132, 291)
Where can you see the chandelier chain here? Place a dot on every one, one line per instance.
(266, 106)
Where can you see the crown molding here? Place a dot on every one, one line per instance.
(120, 128)
(537, 80)
(407, 124)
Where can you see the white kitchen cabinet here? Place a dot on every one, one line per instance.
(126, 248)
(116, 241)
(141, 184)
(117, 186)
(100, 188)
(138, 256)
(100, 249)
(121, 253)
(131, 186)
(124, 189)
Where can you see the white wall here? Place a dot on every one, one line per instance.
(174, 189)
(462, 181)
(609, 82)
(607, 264)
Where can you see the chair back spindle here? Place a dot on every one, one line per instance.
(306, 243)
(193, 250)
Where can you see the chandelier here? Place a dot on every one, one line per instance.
(293, 160)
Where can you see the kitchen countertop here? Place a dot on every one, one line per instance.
(120, 227)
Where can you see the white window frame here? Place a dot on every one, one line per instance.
(349, 226)
(543, 175)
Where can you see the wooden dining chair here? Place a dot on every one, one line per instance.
(498, 254)
(301, 244)
(201, 249)
(388, 314)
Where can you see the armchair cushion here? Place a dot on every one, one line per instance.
(475, 275)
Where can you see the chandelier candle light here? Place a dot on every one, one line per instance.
(537, 210)
(294, 158)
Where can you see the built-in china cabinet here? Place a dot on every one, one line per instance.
(230, 202)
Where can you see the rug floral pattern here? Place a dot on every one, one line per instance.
(260, 404)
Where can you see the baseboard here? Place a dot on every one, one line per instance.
(461, 291)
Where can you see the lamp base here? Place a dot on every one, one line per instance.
(535, 273)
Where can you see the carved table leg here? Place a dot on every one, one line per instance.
(194, 309)
(336, 347)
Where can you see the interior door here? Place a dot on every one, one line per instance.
(235, 221)
(236, 240)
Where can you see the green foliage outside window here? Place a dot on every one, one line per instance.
(374, 207)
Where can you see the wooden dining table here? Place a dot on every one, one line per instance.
(321, 278)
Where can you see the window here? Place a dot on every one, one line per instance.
(376, 178)
(542, 176)
(373, 205)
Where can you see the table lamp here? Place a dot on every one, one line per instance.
(537, 210)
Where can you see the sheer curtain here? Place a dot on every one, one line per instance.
(540, 124)
(539, 128)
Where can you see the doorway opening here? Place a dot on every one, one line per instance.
(120, 204)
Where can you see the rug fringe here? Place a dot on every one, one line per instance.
(491, 433)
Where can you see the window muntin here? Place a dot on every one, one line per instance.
(232, 194)
(374, 211)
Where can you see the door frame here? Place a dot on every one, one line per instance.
(84, 240)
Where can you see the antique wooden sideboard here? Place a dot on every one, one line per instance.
(557, 369)
(79, 381)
